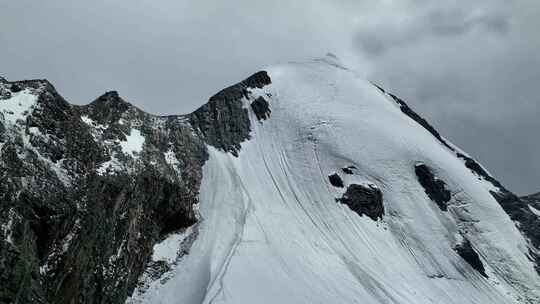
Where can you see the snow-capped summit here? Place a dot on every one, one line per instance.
(301, 184)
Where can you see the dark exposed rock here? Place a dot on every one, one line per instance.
(414, 116)
(15, 88)
(477, 168)
(519, 210)
(348, 170)
(336, 180)
(5, 92)
(223, 122)
(470, 256)
(434, 187)
(108, 108)
(366, 200)
(261, 108)
(379, 88)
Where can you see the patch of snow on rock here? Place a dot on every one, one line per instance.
(18, 106)
(167, 250)
(534, 210)
(133, 144)
(170, 159)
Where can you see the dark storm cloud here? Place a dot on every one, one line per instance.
(471, 67)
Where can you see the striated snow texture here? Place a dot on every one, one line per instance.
(271, 230)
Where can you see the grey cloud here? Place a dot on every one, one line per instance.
(477, 86)
(434, 23)
(457, 22)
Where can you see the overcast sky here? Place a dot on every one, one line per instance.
(472, 68)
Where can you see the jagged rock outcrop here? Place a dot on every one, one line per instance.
(364, 199)
(336, 180)
(349, 170)
(261, 108)
(435, 188)
(223, 122)
(86, 191)
(466, 252)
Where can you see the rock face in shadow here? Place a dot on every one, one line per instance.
(435, 188)
(80, 207)
(261, 108)
(363, 199)
(223, 122)
(470, 256)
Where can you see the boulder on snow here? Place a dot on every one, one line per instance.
(348, 170)
(336, 180)
(363, 199)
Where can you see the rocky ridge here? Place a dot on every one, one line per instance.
(86, 191)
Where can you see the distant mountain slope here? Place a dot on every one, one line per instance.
(300, 184)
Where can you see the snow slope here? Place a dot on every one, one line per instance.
(272, 231)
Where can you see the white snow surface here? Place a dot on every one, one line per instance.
(18, 106)
(272, 232)
(167, 249)
(134, 143)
